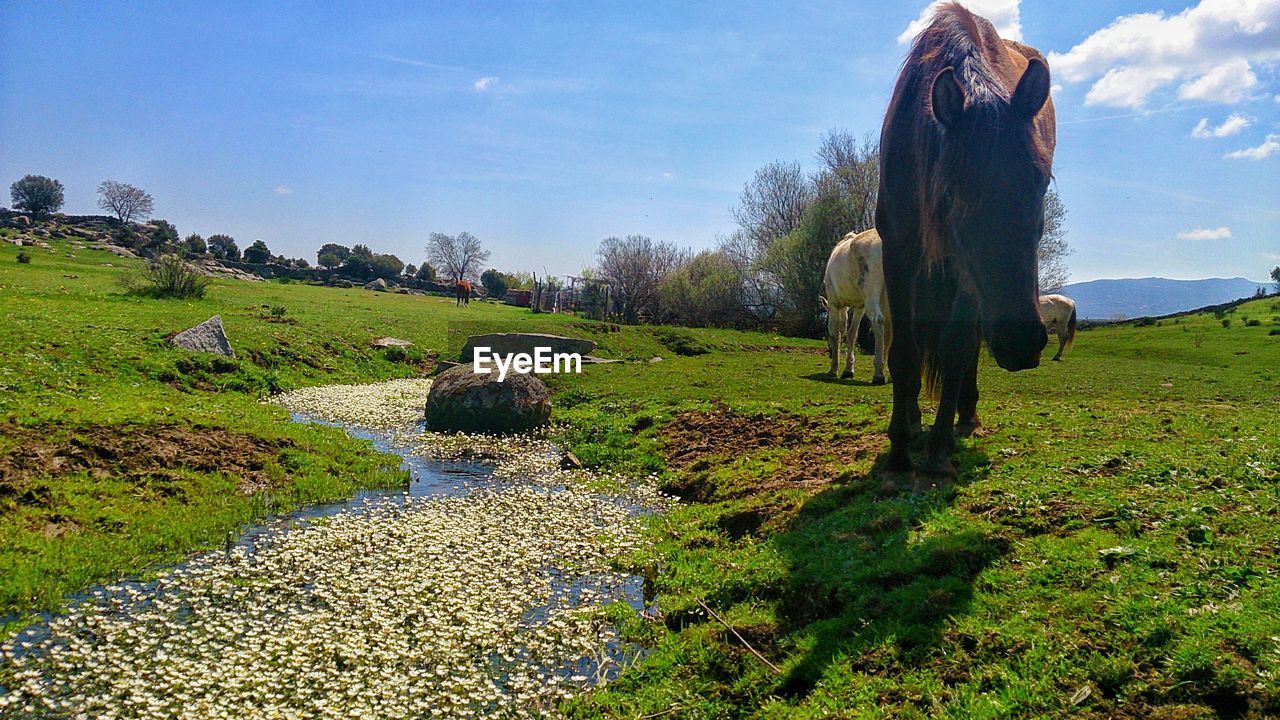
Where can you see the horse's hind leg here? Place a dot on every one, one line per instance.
(835, 325)
(1062, 341)
(967, 409)
(852, 322)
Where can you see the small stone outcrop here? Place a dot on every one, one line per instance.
(376, 284)
(475, 402)
(209, 336)
(508, 343)
(386, 342)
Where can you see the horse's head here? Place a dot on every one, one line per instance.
(995, 170)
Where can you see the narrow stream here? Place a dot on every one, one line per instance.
(476, 591)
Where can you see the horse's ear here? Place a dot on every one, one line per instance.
(1032, 90)
(946, 98)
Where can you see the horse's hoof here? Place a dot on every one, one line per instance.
(877, 380)
(846, 375)
(1057, 358)
(937, 468)
(898, 464)
(964, 430)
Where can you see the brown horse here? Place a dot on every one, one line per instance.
(462, 291)
(966, 157)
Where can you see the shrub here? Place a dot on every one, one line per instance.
(703, 292)
(1226, 322)
(1253, 323)
(24, 258)
(278, 311)
(1144, 322)
(1274, 332)
(168, 277)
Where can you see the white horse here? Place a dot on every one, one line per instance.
(1058, 312)
(854, 286)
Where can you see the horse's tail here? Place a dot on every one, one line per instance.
(1071, 328)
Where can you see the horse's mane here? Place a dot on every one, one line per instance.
(970, 45)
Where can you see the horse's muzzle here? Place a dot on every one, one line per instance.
(1017, 346)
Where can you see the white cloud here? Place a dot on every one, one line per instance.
(1210, 49)
(1004, 14)
(1232, 125)
(485, 83)
(1226, 83)
(1221, 233)
(283, 190)
(668, 176)
(1270, 146)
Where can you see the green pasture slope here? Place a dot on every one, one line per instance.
(1110, 549)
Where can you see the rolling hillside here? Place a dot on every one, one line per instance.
(1138, 297)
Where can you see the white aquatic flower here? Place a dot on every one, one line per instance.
(487, 604)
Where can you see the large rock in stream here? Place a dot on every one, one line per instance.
(461, 399)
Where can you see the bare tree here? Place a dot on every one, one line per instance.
(851, 174)
(460, 256)
(1053, 251)
(126, 201)
(634, 266)
(773, 203)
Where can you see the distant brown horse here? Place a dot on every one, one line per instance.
(966, 156)
(462, 291)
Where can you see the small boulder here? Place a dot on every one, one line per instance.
(461, 399)
(386, 342)
(376, 284)
(569, 461)
(209, 336)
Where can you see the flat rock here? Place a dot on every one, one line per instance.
(209, 336)
(461, 399)
(386, 342)
(508, 343)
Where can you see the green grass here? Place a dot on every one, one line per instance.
(1111, 547)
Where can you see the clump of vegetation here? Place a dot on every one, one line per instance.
(278, 310)
(168, 277)
(1274, 332)
(1253, 323)
(24, 258)
(37, 194)
(680, 342)
(1226, 322)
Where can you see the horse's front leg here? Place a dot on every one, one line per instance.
(956, 354)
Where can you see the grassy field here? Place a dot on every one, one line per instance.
(1110, 549)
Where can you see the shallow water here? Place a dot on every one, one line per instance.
(509, 670)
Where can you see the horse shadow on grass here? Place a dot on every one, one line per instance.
(876, 573)
(825, 377)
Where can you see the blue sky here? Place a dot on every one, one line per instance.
(544, 127)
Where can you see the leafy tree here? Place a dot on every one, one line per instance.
(426, 273)
(163, 234)
(362, 250)
(126, 201)
(799, 260)
(257, 253)
(36, 194)
(196, 244)
(458, 255)
(329, 260)
(494, 282)
(704, 292)
(1275, 277)
(223, 247)
(1053, 251)
(357, 266)
(634, 266)
(410, 270)
(387, 267)
(339, 251)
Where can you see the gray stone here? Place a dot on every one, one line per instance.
(376, 284)
(386, 342)
(464, 400)
(507, 343)
(209, 336)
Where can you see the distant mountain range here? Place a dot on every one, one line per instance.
(1139, 297)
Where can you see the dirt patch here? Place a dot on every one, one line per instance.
(817, 454)
(139, 452)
